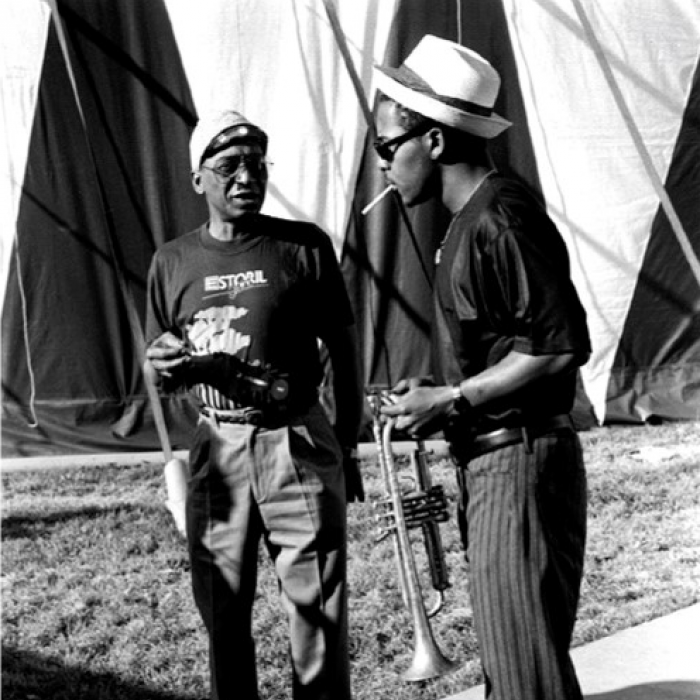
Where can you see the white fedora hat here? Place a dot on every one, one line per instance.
(448, 83)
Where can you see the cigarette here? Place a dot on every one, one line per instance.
(378, 199)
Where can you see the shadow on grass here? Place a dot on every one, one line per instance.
(20, 526)
(28, 676)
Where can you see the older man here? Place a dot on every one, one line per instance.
(235, 311)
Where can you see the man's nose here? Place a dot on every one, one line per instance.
(243, 173)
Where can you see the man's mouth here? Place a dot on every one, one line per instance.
(244, 195)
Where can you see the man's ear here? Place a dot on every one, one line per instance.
(197, 182)
(436, 142)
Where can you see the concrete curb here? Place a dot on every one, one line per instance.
(657, 660)
(19, 464)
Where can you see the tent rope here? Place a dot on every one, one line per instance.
(34, 423)
(367, 112)
(458, 6)
(364, 104)
(658, 185)
(369, 118)
(132, 314)
(347, 60)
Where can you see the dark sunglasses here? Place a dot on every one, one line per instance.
(386, 150)
(230, 166)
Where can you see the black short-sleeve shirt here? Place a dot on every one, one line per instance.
(266, 298)
(503, 283)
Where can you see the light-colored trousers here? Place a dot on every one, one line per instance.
(284, 486)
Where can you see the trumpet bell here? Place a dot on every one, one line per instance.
(425, 508)
(428, 661)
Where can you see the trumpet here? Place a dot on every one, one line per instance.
(423, 508)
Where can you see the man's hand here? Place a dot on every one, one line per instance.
(168, 354)
(354, 490)
(403, 386)
(420, 410)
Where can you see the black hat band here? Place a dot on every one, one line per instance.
(238, 133)
(412, 80)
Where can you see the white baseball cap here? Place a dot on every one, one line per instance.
(218, 130)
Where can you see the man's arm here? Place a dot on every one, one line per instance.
(165, 349)
(347, 384)
(348, 393)
(515, 371)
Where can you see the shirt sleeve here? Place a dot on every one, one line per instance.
(537, 302)
(331, 296)
(157, 321)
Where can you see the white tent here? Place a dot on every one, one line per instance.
(99, 97)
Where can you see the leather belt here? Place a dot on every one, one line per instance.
(248, 414)
(255, 416)
(505, 437)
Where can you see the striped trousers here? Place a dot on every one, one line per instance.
(523, 522)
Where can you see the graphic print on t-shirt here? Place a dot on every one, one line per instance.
(233, 284)
(213, 331)
(213, 328)
(216, 329)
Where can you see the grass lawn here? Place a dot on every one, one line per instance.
(96, 603)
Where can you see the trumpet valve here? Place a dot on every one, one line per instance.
(385, 518)
(423, 507)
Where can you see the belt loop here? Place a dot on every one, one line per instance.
(526, 439)
(212, 416)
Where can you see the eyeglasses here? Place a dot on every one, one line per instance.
(229, 167)
(386, 150)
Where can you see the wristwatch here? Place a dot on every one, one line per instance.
(461, 403)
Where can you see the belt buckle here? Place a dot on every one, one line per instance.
(252, 416)
(492, 435)
(495, 440)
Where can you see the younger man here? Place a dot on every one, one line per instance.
(509, 334)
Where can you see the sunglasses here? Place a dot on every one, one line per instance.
(386, 150)
(230, 166)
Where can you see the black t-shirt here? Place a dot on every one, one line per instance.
(503, 283)
(266, 298)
